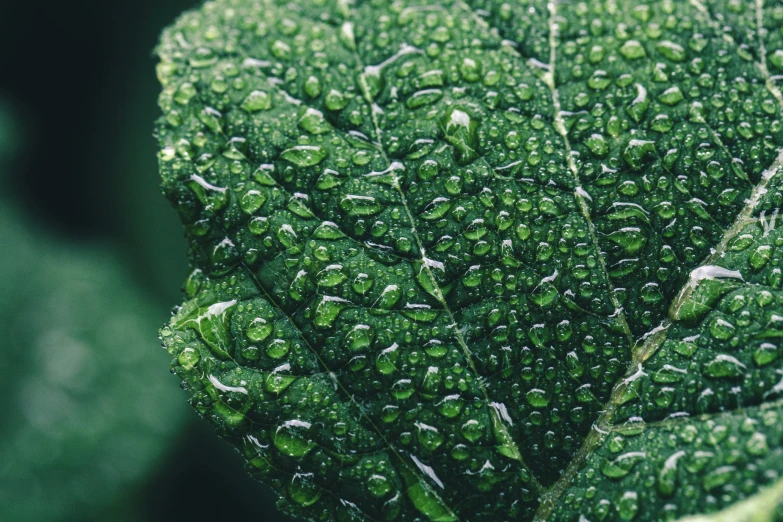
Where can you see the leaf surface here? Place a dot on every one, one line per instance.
(463, 260)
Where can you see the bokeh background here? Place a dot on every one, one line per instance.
(94, 427)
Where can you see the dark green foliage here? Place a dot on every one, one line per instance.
(83, 420)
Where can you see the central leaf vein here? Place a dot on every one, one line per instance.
(506, 445)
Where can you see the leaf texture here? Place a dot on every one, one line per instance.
(482, 260)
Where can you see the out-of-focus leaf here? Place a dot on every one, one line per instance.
(9, 135)
(87, 412)
(7, 141)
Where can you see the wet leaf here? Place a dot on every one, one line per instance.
(534, 257)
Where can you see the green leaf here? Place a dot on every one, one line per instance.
(85, 412)
(482, 260)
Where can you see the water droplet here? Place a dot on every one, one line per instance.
(631, 239)
(428, 169)
(721, 329)
(358, 205)
(424, 97)
(378, 485)
(251, 201)
(258, 329)
(470, 69)
(328, 230)
(389, 297)
(331, 276)
(671, 96)
(724, 366)
(760, 257)
(597, 145)
(327, 310)
(638, 107)
(628, 505)
(718, 477)
(472, 430)
(188, 358)
(623, 464)
(335, 100)
(632, 50)
(292, 438)
(764, 354)
(636, 150)
(461, 130)
(436, 209)
(278, 348)
(257, 101)
(450, 406)
(362, 283)
(667, 477)
(386, 363)
(277, 382)
(304, 155)
(313, 121)
(359, 338)
(673, 51)
(757, 445)
(303, 491)
(428, 436)
(537, 398)
(669, 374)
(312, 86)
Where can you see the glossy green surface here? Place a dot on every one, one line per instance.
(483, 260)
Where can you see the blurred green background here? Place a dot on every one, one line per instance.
(94, 427)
